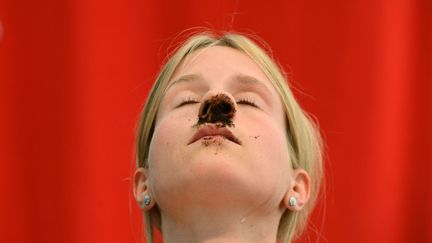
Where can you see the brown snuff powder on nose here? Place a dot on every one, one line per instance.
(218, 110)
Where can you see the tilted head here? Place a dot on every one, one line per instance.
(301, 139)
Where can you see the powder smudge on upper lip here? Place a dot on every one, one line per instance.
(218, 110)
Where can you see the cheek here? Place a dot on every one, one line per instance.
(267, 141)
(265, 131)
(273, 149)
(159, 159)
(171, 129)
(277, 169)
(168, 134)
(167, 148)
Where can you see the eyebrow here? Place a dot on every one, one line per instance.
(247, 80)
(185, 78)
(242, 79)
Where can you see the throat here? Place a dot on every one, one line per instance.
(218, 228)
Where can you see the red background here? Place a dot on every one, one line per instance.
(75, 73)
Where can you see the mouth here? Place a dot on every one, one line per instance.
(213, 131)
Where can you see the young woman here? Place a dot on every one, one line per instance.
(224, 151)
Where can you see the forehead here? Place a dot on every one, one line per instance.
(219, 58)
(217, 64)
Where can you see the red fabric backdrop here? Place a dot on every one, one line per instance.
(74, 75)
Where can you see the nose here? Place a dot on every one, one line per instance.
(218, 109)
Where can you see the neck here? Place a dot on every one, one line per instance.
(220, 227)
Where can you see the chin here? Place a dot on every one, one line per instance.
(216, 166)
(213, 179)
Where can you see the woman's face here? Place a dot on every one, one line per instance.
(246, 164)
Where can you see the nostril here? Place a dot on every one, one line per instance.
(205, 109)
(218, 109)
(225, 108)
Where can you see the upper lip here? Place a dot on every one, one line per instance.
(212, 130)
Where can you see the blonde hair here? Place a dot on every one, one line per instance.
(304, 140)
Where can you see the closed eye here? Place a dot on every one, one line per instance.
(187, 101)
(246, 101)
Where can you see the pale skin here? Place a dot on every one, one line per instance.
(220, 191)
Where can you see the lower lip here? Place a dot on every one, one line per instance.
(208, 140)
(213, 137)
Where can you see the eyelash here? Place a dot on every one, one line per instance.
(246, 101)
(187, 101)
(241, 101)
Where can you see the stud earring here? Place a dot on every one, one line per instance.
(293, 201)
(147, 199)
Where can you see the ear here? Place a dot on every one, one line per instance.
(300, 189)
(141, 189)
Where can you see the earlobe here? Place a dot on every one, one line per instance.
(298, 194)
(142, 192)
(147, 202)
